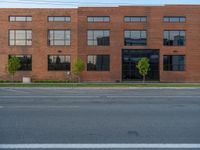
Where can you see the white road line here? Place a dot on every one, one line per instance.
(99, 146)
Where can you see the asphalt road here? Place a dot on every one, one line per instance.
(99, 116)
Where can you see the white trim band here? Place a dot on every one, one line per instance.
(99, 146)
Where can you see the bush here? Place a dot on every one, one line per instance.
(53, 81)
(9, 81)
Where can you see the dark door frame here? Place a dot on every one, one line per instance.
(138, 50)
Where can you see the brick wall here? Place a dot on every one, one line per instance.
(78, 48)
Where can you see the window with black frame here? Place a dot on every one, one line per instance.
(59, 63)
(25, 62)
(59, 18)
(174, 19)
(98, 19)
(135, 19)
(20, 18)
(59, 37)
(135, 38)
(98, 63)
(98, 37)
(174, 38)
(174, 63)
(20, 37)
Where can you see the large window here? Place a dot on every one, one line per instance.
(25, 62)
(59, 19)
(174, 63)
(59, 37)
(135, 19)
(98, 19)
(174, 19)
(135, 38)
(174, 38)
(20, 37)
(58, 63)
(20, 18)
(98, 37)
(98, 63)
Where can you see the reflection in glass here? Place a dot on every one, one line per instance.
(25, 62)
(135, 38)
(98, 37)
(174, 63)
(174, 38)
(20, 18)
(98, 19)
(59, 37)
(58, 63)
(135, 19)
(20, 37)
(98, 63)
(59, 19)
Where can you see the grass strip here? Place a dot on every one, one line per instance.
(96, 85)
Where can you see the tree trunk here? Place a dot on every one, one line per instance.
(12, 77)
(79, 79)
(143, 79)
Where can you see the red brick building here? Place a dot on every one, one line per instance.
(109, 40)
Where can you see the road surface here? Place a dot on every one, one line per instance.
(99, 116)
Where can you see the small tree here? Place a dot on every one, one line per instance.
(143, 67)
(77, 68)
(13, 65)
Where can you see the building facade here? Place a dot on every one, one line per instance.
(110, 41)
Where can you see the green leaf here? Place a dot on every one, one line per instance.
(143, 66)
(13, 65)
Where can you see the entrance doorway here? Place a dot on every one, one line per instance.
(130, 59)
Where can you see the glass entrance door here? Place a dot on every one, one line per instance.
(130, 59)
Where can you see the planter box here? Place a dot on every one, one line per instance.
(26, 79)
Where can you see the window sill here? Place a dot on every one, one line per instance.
(58, 70)
(24, 70)
(172, 71)
(59, 46)
(174, 46)
(24, 46)
(96, 71)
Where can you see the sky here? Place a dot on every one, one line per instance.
(84, 3)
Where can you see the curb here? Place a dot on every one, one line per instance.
(104, 88)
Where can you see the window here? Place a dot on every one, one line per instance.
(135, 19)
(20, 37)
(98, 19)
(135, 37)
(25, 61)
(174, 38)
(59, 19)
(174, 19)
(174, 63)
(58, 63)
(98, 37)
(98, 63)
(20, 18)
(59, 37)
